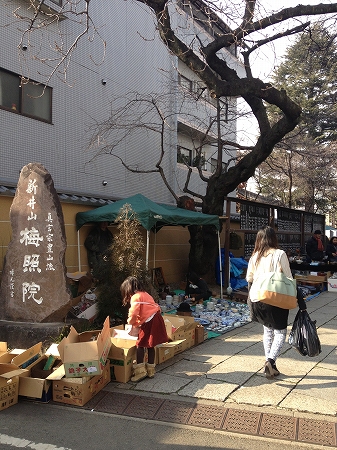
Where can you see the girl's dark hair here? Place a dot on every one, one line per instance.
(265, 239)
(331, 239)
(129, 287)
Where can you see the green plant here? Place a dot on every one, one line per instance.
(64, 333)
(125, 258)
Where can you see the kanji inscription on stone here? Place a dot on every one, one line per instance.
(33, 285)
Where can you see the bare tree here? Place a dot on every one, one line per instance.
(222, 80)
(249, 28)
(53, 52)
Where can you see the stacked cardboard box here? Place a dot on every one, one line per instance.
(85, 369)
(182, 333)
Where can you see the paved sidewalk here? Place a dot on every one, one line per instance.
(223, 378)
(229, 368)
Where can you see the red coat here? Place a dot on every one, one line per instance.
(142, 306)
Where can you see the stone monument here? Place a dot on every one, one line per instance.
(33, 285)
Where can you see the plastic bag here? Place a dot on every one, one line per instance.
(303, 336)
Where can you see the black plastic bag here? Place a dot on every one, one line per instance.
(303, 336)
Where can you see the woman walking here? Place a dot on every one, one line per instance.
(273, 319)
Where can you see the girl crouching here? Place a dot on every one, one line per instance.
(144, 314)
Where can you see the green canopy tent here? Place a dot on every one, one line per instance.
(151, 215)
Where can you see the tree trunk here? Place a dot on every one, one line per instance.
(204, 239)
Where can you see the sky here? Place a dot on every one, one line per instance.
(265, 62)
(269, 57)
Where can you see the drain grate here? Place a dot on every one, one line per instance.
(144, 407)
(95, 400)
(317, 432)
(207, 416)
(114, 403)
(176, 412)
(279, 427)
(239, 421)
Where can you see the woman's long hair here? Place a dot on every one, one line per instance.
(265, 239)
(130, 286)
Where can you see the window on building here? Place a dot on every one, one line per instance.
(200, 160)
(214, 163)
(184, 155)
(29, 99)
(57, 2)
(185, 82)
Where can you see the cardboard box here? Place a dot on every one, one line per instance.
(89, 313)
(78, 391)
(174, 326)
(332, 284)
(22, 358)
(190, 338)
(9, 385)
(3, 348)
(178, 346)
(166, 351)
(37, 386)
(181, 328)
(6, 357)
(200, 334)
(85, 354)
(122, 354)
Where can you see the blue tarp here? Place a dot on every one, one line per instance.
(236, 269)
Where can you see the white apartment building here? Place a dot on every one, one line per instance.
(54, 129)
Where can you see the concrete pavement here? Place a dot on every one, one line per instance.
(218, 388)
(229, 369)
(222, 383)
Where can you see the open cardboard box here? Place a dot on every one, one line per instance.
(78, 391)
(3, 348)
(178, 327)
(122, 354)
(85, 354)
(175, 326)
(37, 386)
(22, 358)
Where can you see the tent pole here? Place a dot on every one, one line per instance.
(220, 265)
(147, 249)
(154, 247)
(79, 251)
